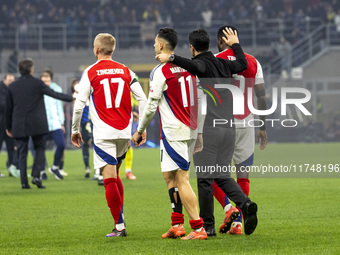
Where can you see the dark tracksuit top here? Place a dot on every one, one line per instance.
(218, 141)
(211, 70)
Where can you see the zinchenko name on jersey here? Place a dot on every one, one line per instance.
(110, 71)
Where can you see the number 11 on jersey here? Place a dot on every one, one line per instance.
(184, 91)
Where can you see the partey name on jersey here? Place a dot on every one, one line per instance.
(110, 71)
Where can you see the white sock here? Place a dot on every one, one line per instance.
(227, 207)
(198, 229)
(127, 170)
(175, 226)
(54, 167)
(120, 226)
(235, 223)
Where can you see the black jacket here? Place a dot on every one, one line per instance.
(25, 108)
(210, 71)
(3, 93)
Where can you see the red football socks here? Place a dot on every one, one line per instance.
(219, 194)
(244, 184)
(120, 188)
(113, 198)
(195, 224)
(177, 218)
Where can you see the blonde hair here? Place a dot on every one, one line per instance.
(105, 42)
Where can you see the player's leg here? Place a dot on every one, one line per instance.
(235, 193)
(61, 165)
(174, 156)
(177, 217)
(58, 137)
(112, 152)
(243, 158)
(128, 164)
(220, 196)
(189, 202)
(229, 210)
(113, 198)
(243, 182)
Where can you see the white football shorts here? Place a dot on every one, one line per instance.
(176, 154)
(109, 151)
(244, 146)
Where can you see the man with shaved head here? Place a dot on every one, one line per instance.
(108, 85)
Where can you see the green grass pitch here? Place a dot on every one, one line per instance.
(296, 215)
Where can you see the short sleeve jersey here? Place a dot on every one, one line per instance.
(253, 75)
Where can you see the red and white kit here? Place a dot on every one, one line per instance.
(108, 84)
(245, 137)
(175, 90)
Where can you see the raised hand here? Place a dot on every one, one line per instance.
(230, 36)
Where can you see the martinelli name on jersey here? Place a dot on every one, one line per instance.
(177, 69)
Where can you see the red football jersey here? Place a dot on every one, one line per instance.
(109, 84)
(177, 90)
(247, 79)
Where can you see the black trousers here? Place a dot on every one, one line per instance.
(216, 156)
(22, 148)
(9, 146)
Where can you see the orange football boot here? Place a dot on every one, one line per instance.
(175, 232)
(229, 217)
(196, 235)
(236, 229)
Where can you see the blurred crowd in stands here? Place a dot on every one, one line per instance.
(79, 14)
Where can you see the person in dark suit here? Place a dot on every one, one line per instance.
(8, 79)
(26, 117)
